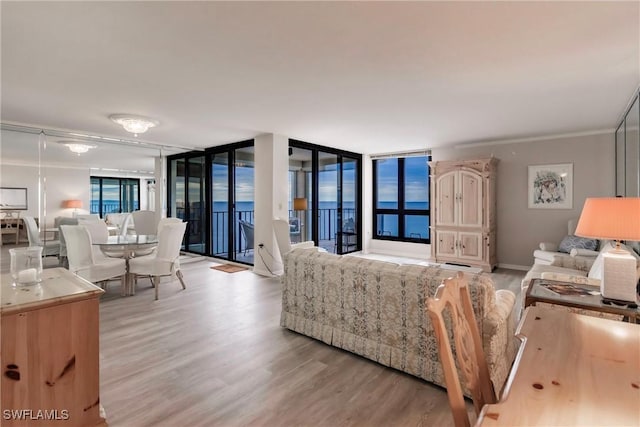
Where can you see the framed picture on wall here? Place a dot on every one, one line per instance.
(13, 198)
(551, 186)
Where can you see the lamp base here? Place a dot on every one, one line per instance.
(619, 276)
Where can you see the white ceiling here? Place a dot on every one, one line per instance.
(370, 77)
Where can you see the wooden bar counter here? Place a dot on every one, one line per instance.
(50, 352)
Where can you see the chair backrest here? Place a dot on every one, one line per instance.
(283, 239)
(64, 221)
(166, 221)
(33, 234)
(144, 222)
(124, 226)
(247, 229)
(79, 252)
(170, 241)
(454, 295)
(97, 229)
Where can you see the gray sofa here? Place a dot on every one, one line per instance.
(377, 310)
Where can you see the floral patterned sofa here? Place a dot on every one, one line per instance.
(377, 310)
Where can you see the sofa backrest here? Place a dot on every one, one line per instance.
(353, 282)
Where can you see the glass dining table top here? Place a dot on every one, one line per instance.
(129, 240)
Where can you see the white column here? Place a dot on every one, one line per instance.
(160, 174)
(271, 197)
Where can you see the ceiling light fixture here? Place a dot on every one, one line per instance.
(134, 124)
(77, 147)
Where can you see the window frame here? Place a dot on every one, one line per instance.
(401, 211)
(100, 198)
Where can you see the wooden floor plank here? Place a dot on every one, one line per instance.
(215, 355)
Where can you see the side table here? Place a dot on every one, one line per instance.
(576, 295)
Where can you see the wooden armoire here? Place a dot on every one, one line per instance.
(463, 212)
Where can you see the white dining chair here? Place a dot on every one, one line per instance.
(63, 243)
(283, 238)
(144, 222)
(166, 259)
(49, 247)
(99, 233)
(83, 263)
(166, 221)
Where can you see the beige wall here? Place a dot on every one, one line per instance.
(520, 229)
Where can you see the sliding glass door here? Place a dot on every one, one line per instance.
(325, 196)
(232, 198)
(187, 199)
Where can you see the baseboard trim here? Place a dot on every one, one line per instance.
(514, 267)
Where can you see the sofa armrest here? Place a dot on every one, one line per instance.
(583, 252)
(498, 337)
(303, 245)
(582, 263)
(505, 302)
(580, 280)
(548, 246)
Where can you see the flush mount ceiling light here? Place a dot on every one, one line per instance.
(77, 147)
(134, 124)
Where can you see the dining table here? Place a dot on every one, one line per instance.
(571, 370)
(127, 247)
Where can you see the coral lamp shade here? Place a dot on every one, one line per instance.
(612, 218)
(72, 204)
(299, 204)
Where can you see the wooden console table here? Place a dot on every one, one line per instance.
(571, 370)
(50, 352)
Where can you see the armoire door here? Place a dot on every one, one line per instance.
(470, 205)
(446, 190)
(445, 243)
(470, 246)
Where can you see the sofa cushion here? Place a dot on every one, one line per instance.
(571, 242)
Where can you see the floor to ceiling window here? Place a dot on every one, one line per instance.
(114, 195)
(325, 196)
(187, 198)
(401, 198)
(232, 201)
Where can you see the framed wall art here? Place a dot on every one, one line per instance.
(13, 198)
(551, 186)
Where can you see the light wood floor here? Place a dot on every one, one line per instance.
(215, 355)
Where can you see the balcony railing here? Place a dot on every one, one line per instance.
(327, 226)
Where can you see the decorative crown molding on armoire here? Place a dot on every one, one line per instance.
(463, 217)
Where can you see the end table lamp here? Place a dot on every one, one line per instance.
(614, 218)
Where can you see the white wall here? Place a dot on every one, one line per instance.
(61, 184)
(271, 194)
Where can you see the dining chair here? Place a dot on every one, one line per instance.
(83, 263)
(59, 221)
(166, 221)
(453, 295)
(99, 234)
(247, 232)
(10, 224)
(283, 238)
(49, 247)
(144, 222)
(166, 259)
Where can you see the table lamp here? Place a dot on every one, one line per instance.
(300, 204)
(72, 204)
(614, 218)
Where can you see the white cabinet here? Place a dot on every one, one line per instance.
(463, 224)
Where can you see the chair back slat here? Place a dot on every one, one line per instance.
(453, 295)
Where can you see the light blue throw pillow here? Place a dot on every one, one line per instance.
(570, 242)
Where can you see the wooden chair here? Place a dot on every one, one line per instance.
(454, 295)
(10, 224)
